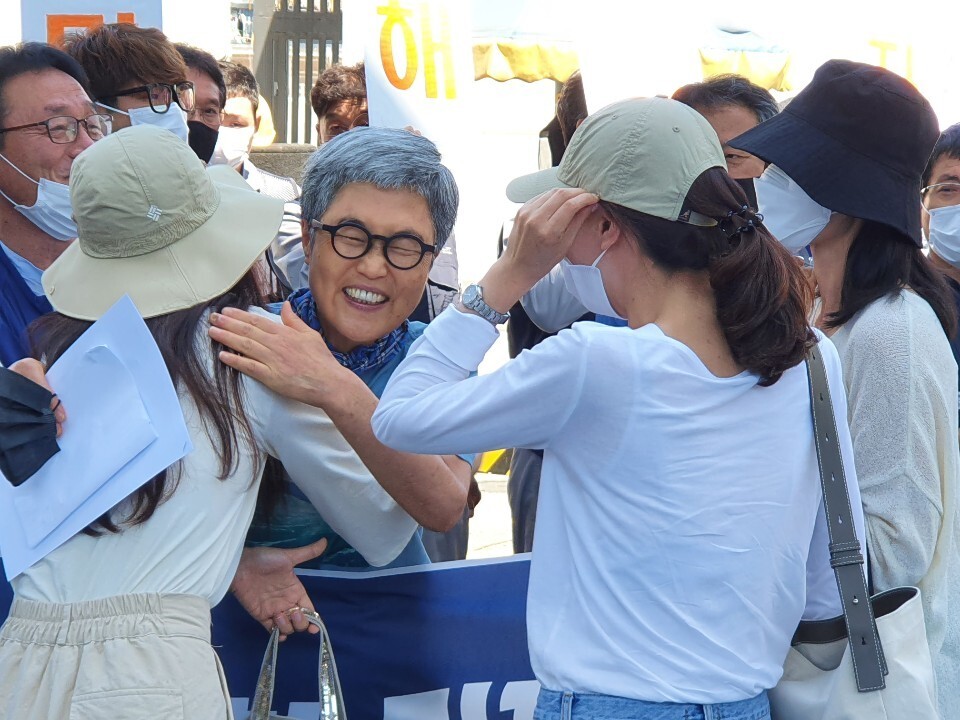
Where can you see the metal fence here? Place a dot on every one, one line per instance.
(294, 41)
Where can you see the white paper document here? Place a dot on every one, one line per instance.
(124, 425)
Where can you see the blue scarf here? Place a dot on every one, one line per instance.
(361, 358)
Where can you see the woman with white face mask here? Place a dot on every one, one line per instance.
(653, 550)
(853, 146)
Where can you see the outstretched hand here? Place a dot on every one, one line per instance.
(267, 587)
(290, 358)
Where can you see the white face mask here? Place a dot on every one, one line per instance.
(233, 146)
(945, 233)
(585, 283)
(788, 212)
(52, 211)
(174, 119)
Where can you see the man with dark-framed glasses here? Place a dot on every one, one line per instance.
(46, 119)
(136, 76)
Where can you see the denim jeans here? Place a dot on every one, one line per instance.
(552, 705)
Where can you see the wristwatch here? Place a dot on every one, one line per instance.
(472, 298)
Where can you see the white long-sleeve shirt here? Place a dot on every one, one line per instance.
(192, 544)
(680, 533)
(901, 383)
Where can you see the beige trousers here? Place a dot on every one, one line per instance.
(130, 657)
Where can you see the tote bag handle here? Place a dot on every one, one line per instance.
(869, 664)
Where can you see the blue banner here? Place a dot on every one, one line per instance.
(441, 642)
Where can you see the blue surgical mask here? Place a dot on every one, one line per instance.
(945, 233)
(52, 211)
(174, 119)
(585, 282)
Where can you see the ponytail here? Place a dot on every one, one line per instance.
(762, 298)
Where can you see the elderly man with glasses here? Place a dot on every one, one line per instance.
(46, 120)
(136, 75)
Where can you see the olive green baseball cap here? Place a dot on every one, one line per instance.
(155, 224)
(642, 153)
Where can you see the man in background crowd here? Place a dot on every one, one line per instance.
(940, 217)
(46, 120)
(239, 126)
(204, 120)
(339, 98)
(732, 105)
(137, 75)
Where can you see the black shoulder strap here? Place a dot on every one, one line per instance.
(869, 665)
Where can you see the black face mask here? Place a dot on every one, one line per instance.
(750, 190)
(28, 429)
(203, 139)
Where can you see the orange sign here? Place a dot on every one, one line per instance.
(60, 25)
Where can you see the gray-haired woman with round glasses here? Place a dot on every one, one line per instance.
(378, 206)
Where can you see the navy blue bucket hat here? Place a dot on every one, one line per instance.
(856, 140)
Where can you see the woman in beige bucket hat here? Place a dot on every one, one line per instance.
(116, 622)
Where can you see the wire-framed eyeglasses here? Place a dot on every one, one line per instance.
(63, 129)
(940, 194)
(162, 95)
(351, 240)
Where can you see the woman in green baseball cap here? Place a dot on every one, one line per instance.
(680, 534)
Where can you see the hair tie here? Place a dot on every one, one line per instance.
(750, 220)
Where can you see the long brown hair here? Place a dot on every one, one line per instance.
(761, 294)
(218, 395)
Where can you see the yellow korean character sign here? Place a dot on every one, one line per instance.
(419, 63)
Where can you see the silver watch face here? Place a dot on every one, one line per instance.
(470, 295)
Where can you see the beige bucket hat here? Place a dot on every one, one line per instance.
(156, 225)
(642, 153)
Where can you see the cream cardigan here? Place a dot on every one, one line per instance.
(901, 382)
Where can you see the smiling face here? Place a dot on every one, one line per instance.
(360, 301)
(32, 97)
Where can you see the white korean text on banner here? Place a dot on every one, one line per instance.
(445, 642)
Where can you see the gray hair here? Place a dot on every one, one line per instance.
(387, 159)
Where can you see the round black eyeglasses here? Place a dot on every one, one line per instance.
(351, 240)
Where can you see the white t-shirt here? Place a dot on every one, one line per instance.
(680, 534)
(192, 544)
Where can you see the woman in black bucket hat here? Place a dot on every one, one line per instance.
(846, 158)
